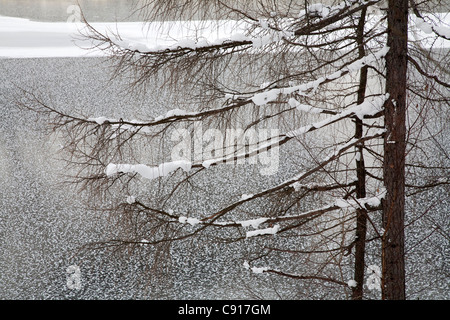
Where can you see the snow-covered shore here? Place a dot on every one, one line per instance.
(23, 38)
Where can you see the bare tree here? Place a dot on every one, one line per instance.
(322, 85)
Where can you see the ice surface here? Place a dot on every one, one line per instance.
(44, 223)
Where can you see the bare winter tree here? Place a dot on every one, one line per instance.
(310, 100)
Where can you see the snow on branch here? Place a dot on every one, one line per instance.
(148, 172)
(191, 221)
(255, 269)
(200, 223)
(169, 167)
(260, 270)
(440, 30)
(367, 203)
(262, 146)
(290, 182)
(237, 33)
(259, 99)
(369, 107)
(255, 223)
(170, 116)
(252, 222)
(210, 39)
(273, 94)
(152, 172)
(265, 231)
(427, 27)
(328, 15)
(322, 11)
(185, 46)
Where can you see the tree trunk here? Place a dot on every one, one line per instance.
(361, 218)
(393, 263)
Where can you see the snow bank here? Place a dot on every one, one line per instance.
(22, 38)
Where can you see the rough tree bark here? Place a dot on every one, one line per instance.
(361, 213)
(393, 264)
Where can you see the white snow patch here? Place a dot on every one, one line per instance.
(368, 108)
(255, 269)
(100, 120)
(358, 155)
(175, 112)
(352, 283)
(208, 163)
(253, 222)
(260, 232)
(191, 221)
(363, 202)
(145, 171)
(443, 31)
(246, 196)
(321, 10)
(303, 107)
(259, 270)
(131, 199)
(341, 203)
(423, 25)
(265, 97)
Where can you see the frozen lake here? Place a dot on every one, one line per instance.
(42, 224)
